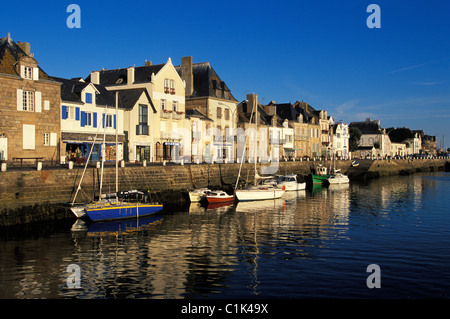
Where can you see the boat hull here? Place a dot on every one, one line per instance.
(250, 194)
(198, 195)
(338, 180)
(318, 179)
(293, 186)
(221, 199)
(121, 211)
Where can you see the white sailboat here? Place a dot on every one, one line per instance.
(257, 191)
(114, 208)
(291, 183)
(337, 177)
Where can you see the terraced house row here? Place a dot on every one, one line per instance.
(165, 112)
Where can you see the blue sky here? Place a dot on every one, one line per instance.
(321, 52)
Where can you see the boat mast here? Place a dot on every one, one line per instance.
(103, 154)
(117, 150)
(255, 105)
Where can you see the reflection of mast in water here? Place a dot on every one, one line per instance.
(256, 209)
(254, 285)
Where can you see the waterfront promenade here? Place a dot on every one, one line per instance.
(28, 194)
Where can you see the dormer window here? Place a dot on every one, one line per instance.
(27, 72)
(89, 98)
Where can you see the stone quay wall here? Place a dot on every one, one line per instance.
(32, 195)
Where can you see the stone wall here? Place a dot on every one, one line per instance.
(25, 190)
(44, 120)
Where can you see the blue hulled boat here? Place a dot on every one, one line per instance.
(100, 211)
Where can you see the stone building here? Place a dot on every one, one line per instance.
(164, 130)
(373, 135)
(207, 93)
(29, 107)
(88, 115)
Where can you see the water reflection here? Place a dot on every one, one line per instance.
(266, 249)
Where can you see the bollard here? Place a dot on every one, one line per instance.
(3, 167)
(39, 166)
(144, 163)
(70, 164)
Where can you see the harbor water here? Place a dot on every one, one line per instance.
(316, 243)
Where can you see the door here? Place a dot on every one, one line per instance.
(3, 147)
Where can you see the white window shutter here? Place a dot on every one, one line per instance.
(38, 101)
(19, 100)
(35, 74)
(46, 105)
(22, 71)
(28, 137)
(53, 137)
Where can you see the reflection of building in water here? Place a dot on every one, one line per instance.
(339, 198)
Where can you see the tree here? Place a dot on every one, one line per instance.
(355, 136)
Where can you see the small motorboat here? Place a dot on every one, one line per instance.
(338, 178)
(198, 194)
(291, 183)
(355, 164)
(219, 196)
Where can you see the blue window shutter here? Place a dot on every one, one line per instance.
(95, 119)
(64, 112)
(77, 113)
(88, 98)
(114, 121)
(103, 120)
(83, 119)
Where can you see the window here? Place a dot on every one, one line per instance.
(219, 113)
(166, 86)
(27, 73)
(46, 139)
(71, 112)
(109, 122)
(227, 114)
(172, 87)
(88, 119)
(28, 101)
(175, 106)
(89, 98)
(163, 104)
(142, 127)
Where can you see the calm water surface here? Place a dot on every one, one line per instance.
(311, 244)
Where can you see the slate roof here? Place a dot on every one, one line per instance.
(196, 113)
(287, 111)
(367, 127)
(207, 82)
(10, 54)
(244, 114)
(128, 98)
(399, 135)
(142, 74)
(71, 92)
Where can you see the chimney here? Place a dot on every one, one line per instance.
(252, 102)
(95, 77)
(148, 63)
(187, 75)
(25, 46)
(130, 75)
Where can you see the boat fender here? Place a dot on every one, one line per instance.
(284, 187)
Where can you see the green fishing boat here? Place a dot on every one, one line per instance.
(320, 175)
